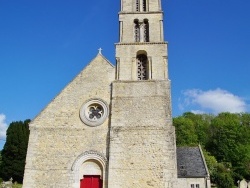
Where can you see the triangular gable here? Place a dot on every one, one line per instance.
(92, 82)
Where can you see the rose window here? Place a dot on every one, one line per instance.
(94, 112)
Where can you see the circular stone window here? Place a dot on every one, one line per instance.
(94, 112)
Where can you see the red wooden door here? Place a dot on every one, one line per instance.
(91, 181)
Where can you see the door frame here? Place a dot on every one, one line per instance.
(88, 155)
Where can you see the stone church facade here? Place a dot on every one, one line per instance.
(111, 127)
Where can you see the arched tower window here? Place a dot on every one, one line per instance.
(137, 5)
(142, 67)
(137, 30)
(146, 30)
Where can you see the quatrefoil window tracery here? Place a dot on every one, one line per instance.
(95, 112)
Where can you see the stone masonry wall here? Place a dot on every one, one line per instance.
(142, 138)
(155, 26)
(186, 182)
(58, 136)
(127, 63)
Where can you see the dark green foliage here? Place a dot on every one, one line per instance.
(14, 151)
(225, 140)
(223, 177)
(0, 158)
(212, 164)
(185, 132)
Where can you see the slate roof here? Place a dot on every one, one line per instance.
(191, 163)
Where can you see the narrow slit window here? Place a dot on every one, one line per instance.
(137, 30)
(146, 31)
(144, 5)
(137, 5)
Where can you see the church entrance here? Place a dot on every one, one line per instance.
(91, 181)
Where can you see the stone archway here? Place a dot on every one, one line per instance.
(88, 163)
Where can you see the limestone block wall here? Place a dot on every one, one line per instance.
(186, 182)
(142, 138)
(142, 157)
(141, 103)
(59, 138)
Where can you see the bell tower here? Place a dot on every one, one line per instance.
(142, 150)
(141, 53)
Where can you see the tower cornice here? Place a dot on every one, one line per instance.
(136, 12)
(140, 43)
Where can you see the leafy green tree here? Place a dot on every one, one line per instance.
(14, 151)
(212, 164)
(0, 164)
(192, 129)
(244, 166)
(223, 177)
(185, 132)
(231, 142)
(224, 135)
(225, 140)
(0, 158)
(201, 124)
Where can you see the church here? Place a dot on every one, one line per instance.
(111, 126)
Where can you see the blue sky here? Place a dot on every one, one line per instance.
(44, 44)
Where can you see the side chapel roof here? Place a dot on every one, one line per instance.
(191, 163)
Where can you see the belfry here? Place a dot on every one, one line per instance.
(142, 138)
(115, 131)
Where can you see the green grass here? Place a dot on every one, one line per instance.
(17, 185)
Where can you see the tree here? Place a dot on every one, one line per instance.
(211, 164)
(223, 177)
(220, 173)
(201, 124)
(185, 132)
(226, 139)
(230, 141)
(14, 151)
(192, 129)
(0, 158)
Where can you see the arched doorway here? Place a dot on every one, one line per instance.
(91, 181)
(91, 171)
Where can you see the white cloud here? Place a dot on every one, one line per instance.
(198, 111)
(215, 101)
(3, 126)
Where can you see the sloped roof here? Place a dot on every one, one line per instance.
(191, 163)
